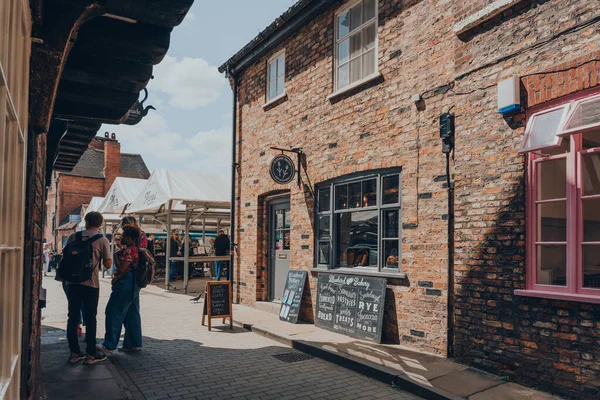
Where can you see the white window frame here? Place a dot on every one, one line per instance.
(336, 42)
(274, 58)
(15, 50)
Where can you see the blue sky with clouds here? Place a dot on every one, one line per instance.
(191, 128)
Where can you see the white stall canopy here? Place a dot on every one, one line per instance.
(121, 193)
(93, 206)
(175, 197)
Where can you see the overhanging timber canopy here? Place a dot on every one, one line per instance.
(90, 59)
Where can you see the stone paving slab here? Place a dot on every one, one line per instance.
(427, 375)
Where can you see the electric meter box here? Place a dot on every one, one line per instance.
(509, 96)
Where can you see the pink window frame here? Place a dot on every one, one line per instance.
(574, 180)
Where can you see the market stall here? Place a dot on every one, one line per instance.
(188, 199)
(94, 206)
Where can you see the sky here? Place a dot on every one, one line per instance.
(191, 128)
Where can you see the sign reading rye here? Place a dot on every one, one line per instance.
(352, 305)
(217, 302)
(292, 296)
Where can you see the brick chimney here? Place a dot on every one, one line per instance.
(112, 161)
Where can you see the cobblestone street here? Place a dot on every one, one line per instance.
(182, 360)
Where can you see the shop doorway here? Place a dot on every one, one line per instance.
(279, 247)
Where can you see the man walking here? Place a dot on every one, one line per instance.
(173, 253)
(87, 293)
(221, 249)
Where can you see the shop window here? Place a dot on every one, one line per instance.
(563, 146)
(359, 223)
(276, 77)
(356, 43)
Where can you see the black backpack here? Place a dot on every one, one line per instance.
(76, 265)
(144, 269)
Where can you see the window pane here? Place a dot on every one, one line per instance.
(355, 17)
(591, 266)
(591, 174)
(273, 90)
(279, 219)
(343, 51)
(552, 179)
(354, 195)
(542, 129)
(324, 200)
(551, 265)
(278, 240)
(369, 37)
(341, 197)
(369, 63)
(343, 76)
(591, 220)
(356, 234)
(272, 70)
(564, 147)
(355, 43)
(586, 113)
(369, 10)
(552, 226)
(343, 24)
(391, 224)
(286, 240)
(288, 218)
(369, 192)
(390, 253)
(590, 140)
(281, 65)
(280, 85)
(324, 230)
(355, 69)
(391, 189)
(324, 253)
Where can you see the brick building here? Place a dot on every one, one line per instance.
(488, 251)
(92, 176)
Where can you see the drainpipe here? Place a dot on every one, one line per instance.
(233, 173)
(450, 184)
(56, 221)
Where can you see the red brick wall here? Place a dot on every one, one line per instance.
(376, 128)
(75, 190)
(32, 271)
(552, 345)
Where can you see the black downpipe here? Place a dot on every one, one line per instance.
(450, 184)
(233, 174)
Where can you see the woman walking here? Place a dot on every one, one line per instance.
(123, 308)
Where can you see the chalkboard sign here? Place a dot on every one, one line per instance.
(292, 296)
(217, 302)
(352, 305)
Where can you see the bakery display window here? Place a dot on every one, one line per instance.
(358, 222)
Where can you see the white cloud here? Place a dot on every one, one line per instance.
(212, 149)
(190, 16)
(205, 151)
(189, 83)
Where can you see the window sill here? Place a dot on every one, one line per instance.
(542, 294)
(335, 95)
(363, 272)
(274, 101)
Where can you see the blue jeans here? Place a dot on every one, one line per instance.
(219, 267)
(172, 270)
(123, 308)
